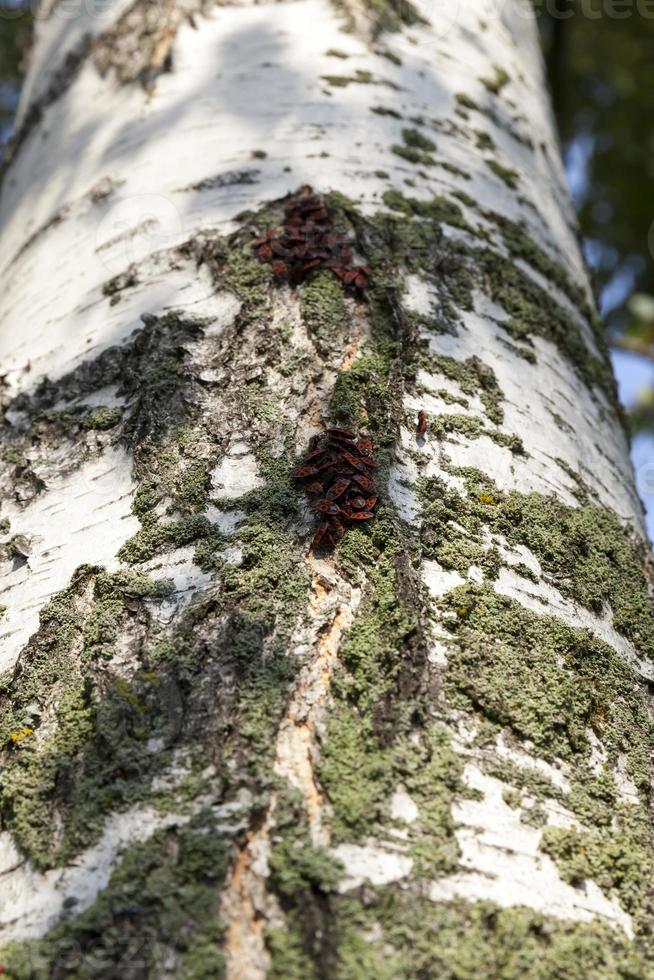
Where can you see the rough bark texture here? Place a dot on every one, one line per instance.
(430, 753)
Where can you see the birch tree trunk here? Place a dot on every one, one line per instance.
(428, 753)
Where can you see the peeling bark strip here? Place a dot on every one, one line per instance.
(139, 46)
(428, 752)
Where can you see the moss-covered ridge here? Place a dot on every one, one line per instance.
(86, 727)
(585, 551)
(394, 935)
(377, 731)
(157, 912)
(100, 721)
(62, 432)
(380, 15)
(413, 230)
(377, 736)
(556, 688)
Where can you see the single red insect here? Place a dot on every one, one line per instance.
(326, 507)
(303, 471)
(364, 481)
(361, 515)
(337, 531)
(422, 422)
(319, 536)
(314, 487)
(279, 268)
(342, 445)
(314, 454)
(270, 234)
(358, 464)
(359, 503)
(337, 489)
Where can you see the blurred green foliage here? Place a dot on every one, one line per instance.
(15, 39)
(600, 57)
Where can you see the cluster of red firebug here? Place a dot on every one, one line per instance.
(338, 470)
(338, 466)
(308, 241)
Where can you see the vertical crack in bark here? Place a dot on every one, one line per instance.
(242, 903)
(294, 757)
(351, 352)
(138, 47)
(245, 903)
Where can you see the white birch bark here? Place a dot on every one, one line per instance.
(144, 133)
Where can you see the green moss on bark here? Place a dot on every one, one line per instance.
(102, 418)
(533, 312)
(616, 855)
(507, 175)
(159, 908)
(474, 378)
(554, 687)
(398, 936)
(443, 425)
(584, 551)
(360, 77)
(521, 245)
(163, 535)
(412, 236)
(496, 84)
(376, 736)
(84, 722)
(439, 209)
(381, 15)
(547, 681)
(303, 877)
(412, 155)
(364, 395)
(324, 310)
(417, 140)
